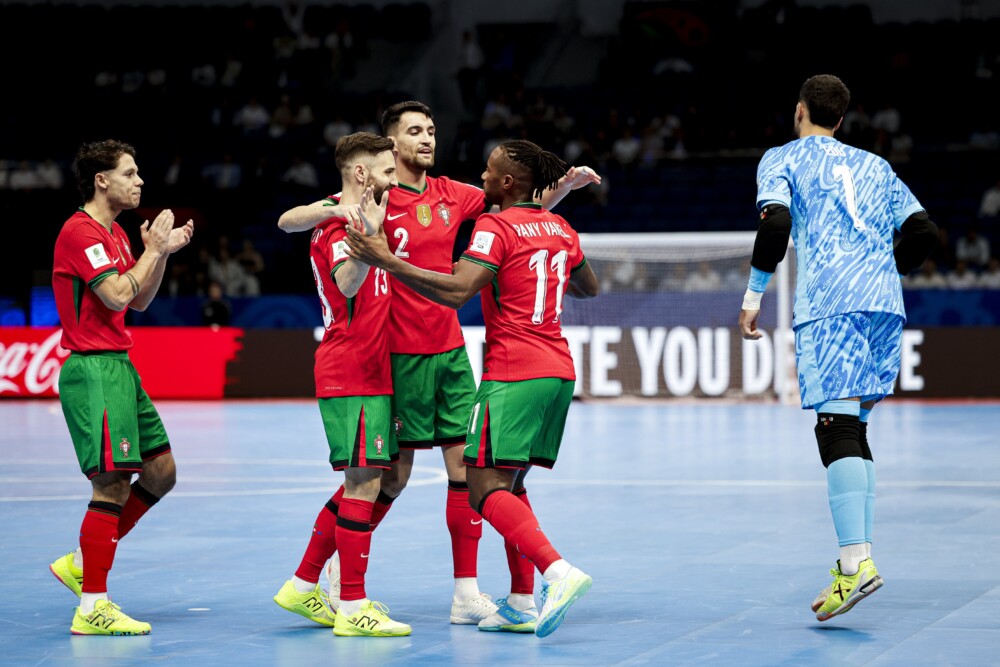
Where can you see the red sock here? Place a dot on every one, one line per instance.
(354, 539)
(382, 506)
(522, 570)
(98, 541)
(138, 503)
(323, 542)
(466, 528)
(517, 524)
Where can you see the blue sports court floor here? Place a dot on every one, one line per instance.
(705, 526)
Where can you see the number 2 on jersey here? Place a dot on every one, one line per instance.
(539, 264)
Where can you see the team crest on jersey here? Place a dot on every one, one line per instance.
(125, 446)
(378, 444)
(398, 424)
(424, 215)
(444, 214)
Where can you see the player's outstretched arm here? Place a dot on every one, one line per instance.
(575, 178)
(306, 217)
(448, 289)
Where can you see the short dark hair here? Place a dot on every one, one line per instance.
(391, 116)
(95, 157)
(359, 142)
(826, 97)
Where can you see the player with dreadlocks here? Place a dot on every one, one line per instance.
(523, 261)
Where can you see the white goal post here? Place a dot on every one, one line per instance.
(665, 323)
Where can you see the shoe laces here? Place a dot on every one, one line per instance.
(381, 608)
(109, 609)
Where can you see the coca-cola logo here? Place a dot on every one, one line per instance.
(32, 366)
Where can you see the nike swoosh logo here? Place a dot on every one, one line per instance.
(364, 555)
(476, 523)
(114, 539)
(393, 217)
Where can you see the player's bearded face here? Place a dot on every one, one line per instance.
(415, 140)
(382, 176)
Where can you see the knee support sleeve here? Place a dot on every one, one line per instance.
(837, 436)
(866, 452)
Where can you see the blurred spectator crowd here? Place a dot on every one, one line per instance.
(674, 109)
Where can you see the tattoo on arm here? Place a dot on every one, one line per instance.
(135, 285)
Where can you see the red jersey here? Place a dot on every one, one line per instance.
(533, 252)
(353, 357)
(86, 253)
(421, 227)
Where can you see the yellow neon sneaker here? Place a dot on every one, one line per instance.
(107, 619)
(372, 620)
(557, 597)
(312, 605)
(847, 590)
(69, 574)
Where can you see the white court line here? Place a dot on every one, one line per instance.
(436, 476)
(190, 462)
(540, 481)
(440, 476)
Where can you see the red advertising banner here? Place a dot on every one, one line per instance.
(174, 362)
(658, 362)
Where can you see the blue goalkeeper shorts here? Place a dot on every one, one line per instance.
(848, 356)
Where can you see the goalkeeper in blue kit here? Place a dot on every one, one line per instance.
(841, 206)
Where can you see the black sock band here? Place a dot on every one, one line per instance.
(458, 486)
(359, 526)
(106, 508)
(384, 498)
(143, 494)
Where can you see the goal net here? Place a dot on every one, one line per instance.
(665, 323)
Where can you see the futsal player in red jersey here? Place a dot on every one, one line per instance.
(433, 383)
(114, 426)
(354, 388)
(524, 260)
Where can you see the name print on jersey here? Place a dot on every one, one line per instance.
(529, 229)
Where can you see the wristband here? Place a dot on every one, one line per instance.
(758, 279)
(751, 300)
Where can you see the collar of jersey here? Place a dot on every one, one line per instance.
(410, 188)
(527, 204)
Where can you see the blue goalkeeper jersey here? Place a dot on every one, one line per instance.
(845, 204)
